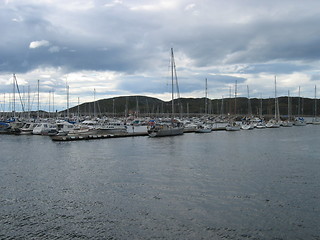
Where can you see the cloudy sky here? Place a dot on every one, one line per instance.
(122, 47)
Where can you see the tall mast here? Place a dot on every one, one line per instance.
(315, 101)
(29, 102)
(229, 102)
(206, 98)
(172, 95)
(67, 101)
(249, 103)
(78, 109)
(235, 99)
(126, 109)
(14, 96)
(289, 106)
(299, 103)
(54, 115)
(275, 98)
(261, 106)
(4, 103)
(49, 102)
(38, 113)
(94, 103)
(113, 110)
(222, 110)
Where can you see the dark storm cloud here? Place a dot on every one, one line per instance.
(119, 39)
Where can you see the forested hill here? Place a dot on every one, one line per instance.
(142, 105)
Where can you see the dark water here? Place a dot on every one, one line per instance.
(259, 184)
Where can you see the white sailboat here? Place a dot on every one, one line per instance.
(275, 122)
(203, 128)
(299, 121)
(232, 124)
(288, 123)
(174, 127)
(315, 120)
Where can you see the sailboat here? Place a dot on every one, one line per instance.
(288, 123)
(174, 127)
(232, 124)
(275, 122)
(299, 121)
(315, 120)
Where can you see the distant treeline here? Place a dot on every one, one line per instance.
(144, 106)
(148, 106)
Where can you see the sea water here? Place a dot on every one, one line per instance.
(254, 184)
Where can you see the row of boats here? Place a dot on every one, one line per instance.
(62, 127)
(176, 128)
(153, 127)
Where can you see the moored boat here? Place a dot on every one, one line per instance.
(165, 129)
(27, 128)
(203, 128)
(174, 127)
(233, 126)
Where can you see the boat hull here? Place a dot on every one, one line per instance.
(165, 132)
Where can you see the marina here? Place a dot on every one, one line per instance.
(159, 120)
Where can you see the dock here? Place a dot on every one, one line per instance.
(95, 136)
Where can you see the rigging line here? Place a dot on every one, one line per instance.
(177, 83)
(16, 82)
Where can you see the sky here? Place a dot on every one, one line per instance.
(103, 49)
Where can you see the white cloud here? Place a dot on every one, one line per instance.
(157, 6)
(54, 49)
(190, 6)
(42, 43)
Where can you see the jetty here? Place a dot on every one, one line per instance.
(95, 136)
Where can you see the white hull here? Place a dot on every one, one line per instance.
(166, 132)
(300, 123)
(246, 127)
(272, 125)
(206, 130)
(287, 124)
(233, 128)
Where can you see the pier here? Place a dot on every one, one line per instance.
(96, 136)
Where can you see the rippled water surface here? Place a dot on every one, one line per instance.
(259, 184)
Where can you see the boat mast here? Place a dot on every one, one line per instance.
(14, 96)
(235, 99)
(206, 98)
(78, 110)
(29, 110)
(94, 103)
(67, 101)
(221, 112)
(275, 99)
(172, 95)
(4, 104)
(261, 106)
(38, 113)
(229, 102)
(299, 103)
(249, 103)
(289, 106)
(54, 115)
(315, 101)
(49, 103)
